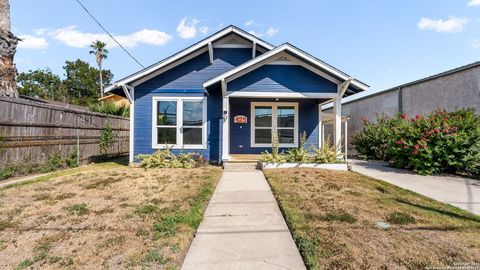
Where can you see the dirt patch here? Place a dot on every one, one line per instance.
(334, 218)
(115, 217)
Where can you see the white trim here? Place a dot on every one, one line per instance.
(210, 52)
(125, 91)
(284, 62)
(132, 126)
(274, 127)
(279, 49)
(280, 94)
(186, 52)
(345, 139)
(337, 123)
(225, 129)
(254, 49)
(320, 129)
(179, 125)
(344, 86)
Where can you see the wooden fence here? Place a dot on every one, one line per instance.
(31, 132)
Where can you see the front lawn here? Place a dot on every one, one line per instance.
(333, 217)
(104, 216)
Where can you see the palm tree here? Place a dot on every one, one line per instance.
(98, 49)
(8, 47)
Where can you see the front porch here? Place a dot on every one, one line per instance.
(251, 126)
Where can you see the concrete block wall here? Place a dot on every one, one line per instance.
(450, 90)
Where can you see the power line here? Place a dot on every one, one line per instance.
(106, 31)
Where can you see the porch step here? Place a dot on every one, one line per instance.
(237, 166)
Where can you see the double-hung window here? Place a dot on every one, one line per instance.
(179, 122)
(278, 119)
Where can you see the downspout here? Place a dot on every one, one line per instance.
(400, 100)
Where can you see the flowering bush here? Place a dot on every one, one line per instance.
(164, 158)
(439, 142)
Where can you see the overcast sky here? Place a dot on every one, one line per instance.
(383, 43)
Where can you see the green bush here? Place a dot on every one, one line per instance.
(441, 142)
(326, 154)
(275, 156)
(110, 108)
(166, 159)
(106, 139)
(374, 139)
(301, 153)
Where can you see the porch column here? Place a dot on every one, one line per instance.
(320, 127)
(337, 123)
(345, 138)
(226, 129)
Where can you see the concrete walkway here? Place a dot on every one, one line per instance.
(459, 191)
(243, 227)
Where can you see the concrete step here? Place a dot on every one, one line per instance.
(250, 166)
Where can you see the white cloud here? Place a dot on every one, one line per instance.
(452, 25)
(187, 28)
(474, 3)
(476, 43)
(32, 42)
(78, 39)
(257, 34)
(249, 23)
(203, 30)
(271, 32)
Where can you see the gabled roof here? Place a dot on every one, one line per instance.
(199, 45)
(355, 85)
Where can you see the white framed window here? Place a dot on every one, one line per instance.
(274, 118)
(179, 122)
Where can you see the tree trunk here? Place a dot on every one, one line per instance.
(8, 46)
(101, 80)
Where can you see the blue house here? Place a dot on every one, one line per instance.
(229, 94)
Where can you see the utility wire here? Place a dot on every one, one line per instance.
(106, 31)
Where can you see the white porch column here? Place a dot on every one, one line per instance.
(337, 122)
(320, 127)
(226, 129)
(345, 138)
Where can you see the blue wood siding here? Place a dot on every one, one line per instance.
(186, 80)
(240, 133)
(194, 72)
(282, 78)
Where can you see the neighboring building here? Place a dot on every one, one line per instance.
(449, 90)
(116, 99)
(228, 94)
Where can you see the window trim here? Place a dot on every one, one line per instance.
(274, 127)
(179, 125)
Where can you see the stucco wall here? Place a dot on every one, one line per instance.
(456, 90)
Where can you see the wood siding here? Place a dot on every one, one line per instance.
(282, 79)
(31, 132)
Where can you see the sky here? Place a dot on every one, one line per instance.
(382, 43)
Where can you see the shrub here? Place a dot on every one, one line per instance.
(106, 139)
(275, 156)
(54, 163)
(326, 154)
(439, 142)
(110, 108)
(374, 139)
(301, 153)
(72, 161)
(166, 159)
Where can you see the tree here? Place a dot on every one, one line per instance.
(8, 47)
(42, 84)
(100, 52)
(82, 81)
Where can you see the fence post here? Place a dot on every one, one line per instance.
(78, 148)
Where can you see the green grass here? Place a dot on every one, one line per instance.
(24, 264)
(78, 209)
(400, 218)
(146, 209)
(333, 218)
(68, 172)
